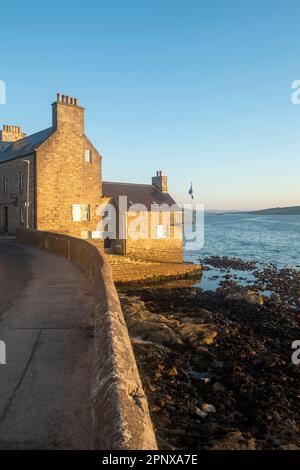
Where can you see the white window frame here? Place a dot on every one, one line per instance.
(162, 232)
(81, 212)
(85, 212)
(88, 156)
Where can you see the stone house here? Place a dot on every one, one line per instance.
(148, 217)
(52, 181)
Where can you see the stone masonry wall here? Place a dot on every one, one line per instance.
(119, 405)
(15, 198)
(64, 177)
(148, 248)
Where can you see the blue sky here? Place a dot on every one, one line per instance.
(198, 89)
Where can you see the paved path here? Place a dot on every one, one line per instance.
(46, 319)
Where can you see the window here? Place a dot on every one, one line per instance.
(5, 183)
(85, 212)
(80, 212)
(85, 235)
(96, 234)
(21, 180)
(76, 212)
(88, 156)
(162, 231)
(21, 215)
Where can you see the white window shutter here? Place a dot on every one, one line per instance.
(162, 231)
(76, 212)
(159, 231)
(88, 156)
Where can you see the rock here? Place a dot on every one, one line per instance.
(205, 380)
(251, 339)
(200, 413)
(209, 408)
(155, 332)
(173, 372)
(289, 447)
(171, 403)
(217, 387)
(154, 409)
(245, 295)
(198, 333)
(235, 441)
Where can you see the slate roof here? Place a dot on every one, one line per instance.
(146, 194)
(24, 146)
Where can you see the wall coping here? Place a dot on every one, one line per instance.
(120, 412)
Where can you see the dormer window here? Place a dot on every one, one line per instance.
(88, 156)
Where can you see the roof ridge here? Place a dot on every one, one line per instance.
(130, 184)
(25, 146)
(35, 133)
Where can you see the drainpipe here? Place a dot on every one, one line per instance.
(27, 197)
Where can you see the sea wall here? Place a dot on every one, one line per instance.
(120, 410)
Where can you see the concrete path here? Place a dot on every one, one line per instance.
(46, 321)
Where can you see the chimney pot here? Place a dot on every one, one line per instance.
(160, 181)
(61, 118)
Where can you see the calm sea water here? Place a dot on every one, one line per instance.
(260, 238)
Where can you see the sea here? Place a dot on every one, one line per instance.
(251, 237)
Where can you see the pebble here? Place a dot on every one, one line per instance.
(209, 408)
(200, 413)
(173, 372)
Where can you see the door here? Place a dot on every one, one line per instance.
(5, 218)
(108, 245)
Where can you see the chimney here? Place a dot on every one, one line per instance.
(67, 115)
(11, 133)
(160, 182)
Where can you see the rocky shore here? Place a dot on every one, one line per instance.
(216, 366)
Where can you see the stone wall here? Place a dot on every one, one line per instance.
(147, 247)
(128, 270)
(64, 177)
(119, 405)
(15, 198)
(166, 250)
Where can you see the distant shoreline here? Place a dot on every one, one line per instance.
(295, 210)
